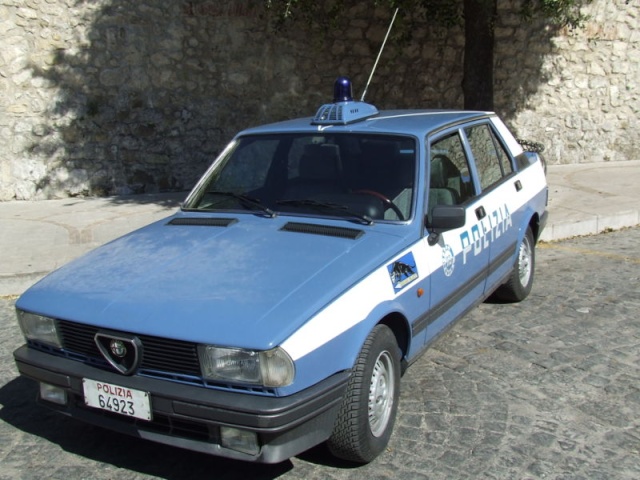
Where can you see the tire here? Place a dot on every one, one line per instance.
(368, 411)
(519, 285)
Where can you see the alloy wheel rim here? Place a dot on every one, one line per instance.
(381, 393)
(524, 262)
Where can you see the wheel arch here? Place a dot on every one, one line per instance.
(399, 326)
(534, 224)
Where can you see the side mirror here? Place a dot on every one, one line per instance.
(444, 218)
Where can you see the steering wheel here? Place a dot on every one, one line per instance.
(387, 203)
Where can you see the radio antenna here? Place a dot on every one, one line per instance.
(379, 54)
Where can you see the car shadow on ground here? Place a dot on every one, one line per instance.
(18, 409)
(167, 199)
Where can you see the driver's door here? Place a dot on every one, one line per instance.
(461, 255)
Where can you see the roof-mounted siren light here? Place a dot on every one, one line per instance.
(342, 90)
(344, 109)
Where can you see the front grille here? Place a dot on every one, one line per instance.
(159, 354)
(162, 358)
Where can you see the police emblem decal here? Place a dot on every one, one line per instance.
(448, 260)
(403, 271)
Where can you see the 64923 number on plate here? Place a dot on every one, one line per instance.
(114, 398)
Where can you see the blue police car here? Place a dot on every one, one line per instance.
(310, 266)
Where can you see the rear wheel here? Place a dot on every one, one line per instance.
(520, 282)
(367, 415)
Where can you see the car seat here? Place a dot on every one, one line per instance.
(319, 171)
(443, 174)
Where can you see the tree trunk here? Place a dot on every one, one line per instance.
(477, 83)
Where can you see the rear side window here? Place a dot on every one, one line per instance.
(492, 161)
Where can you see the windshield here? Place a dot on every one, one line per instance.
(370, 177)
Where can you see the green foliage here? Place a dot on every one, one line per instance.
(564, 13)
(444, 13)
(307, 11)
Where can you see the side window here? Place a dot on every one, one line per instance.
(450, 181)
(507, 166)
(492, 162)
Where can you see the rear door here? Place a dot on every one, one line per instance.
(499, 211)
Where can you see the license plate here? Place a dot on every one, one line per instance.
(117, 399)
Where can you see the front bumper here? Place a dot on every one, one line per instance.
(190, 417)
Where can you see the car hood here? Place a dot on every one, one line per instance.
(248, 282)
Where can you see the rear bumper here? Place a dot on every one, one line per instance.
(542, 223)
(190, 417)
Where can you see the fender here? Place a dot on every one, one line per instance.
(340, 352)
(530, 213)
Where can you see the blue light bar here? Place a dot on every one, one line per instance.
(342, 90)
(344, 109)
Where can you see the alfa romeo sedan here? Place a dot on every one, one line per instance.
(312, 264)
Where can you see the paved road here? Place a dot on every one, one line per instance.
(547, 389)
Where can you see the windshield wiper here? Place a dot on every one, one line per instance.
(246, 201)
(342, 209)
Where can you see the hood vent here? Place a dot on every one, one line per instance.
(203, 222)
(340, 232)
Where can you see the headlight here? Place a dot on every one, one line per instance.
(39, 328)
(273, 368)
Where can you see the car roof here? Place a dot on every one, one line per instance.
(413, 122)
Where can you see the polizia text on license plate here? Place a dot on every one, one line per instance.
(117, 399)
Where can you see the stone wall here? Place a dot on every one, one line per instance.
(127, 96)
(580, 91)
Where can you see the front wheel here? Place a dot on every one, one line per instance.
(520, 282)
(367, 415)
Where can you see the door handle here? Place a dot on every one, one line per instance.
(518, 185)
(480, 213)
